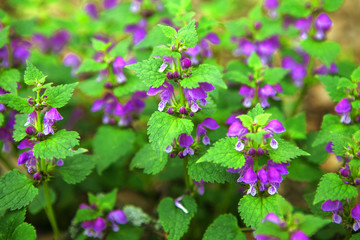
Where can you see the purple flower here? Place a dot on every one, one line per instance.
(297, 71)
(245, 47)
(355, 213)
(32, 118)
(267, 47)
(27, 157)
(193, 52)
(20, 51)
(186, 141)
(271, 4)
(117, 217)
(322, 24)
(200, 93)
(118, 66)
(248, 93)
(263, 179)
(110, 3)
(273, 126)
(236, 129)
(323, 70)
(41, 41)
(178, 204)
(50, 119)
(91, 10)
(205, 44)
(334, 207)
(345, 171)
(299, 235)
(72, 60)
(201, 130)
(265, 92)
(274, 179)
(166, 94)
(137, 30)
(272, 217)
(304, 25)
(344, 109)
(134, 106)
(108, 103)
(251, 179)
(200, 187)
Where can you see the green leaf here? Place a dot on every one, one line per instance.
(326, 51)
(33, 75)
(161, 51)
(332, 187)
(155, 37)
(177, 7)
(257, 110)
(332, 5)
(127, 232)
(246, 120)
(24, 231)
(286, 151)
(204, 73)
(262, 119)
(224, 153)
(85, 214)
(174, 221)
(296, 126)
(254, 209)
(295, 8)
(16, 190)
(2, 118)
(92, 87)
(136, 216)
(224, 227)
(9, 79)
(239, 77)
(58, 96)
(150, 160)
(188, 35)
(18, 103)
(110, 144)
(39, 201)
(76, 168)
(10, 221)
(209, 172)
(148, 71)
(90, 65)
(168, 31)
(57, 146)
(302, 170)
(19, 128)
(272, 230)
(132, 85)
(164, 128)
(331, 83)
(100, 45)
(4, 36)
(355, 75)
(310, 224)
(274, 75)
(105, 202)
(254, 61)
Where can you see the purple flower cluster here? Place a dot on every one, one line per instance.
(92, 9)
(95, 228)
(114, 110)
(343, 108)
(50, 119)
(203, 50)
(263, 93)
(295, 234)
(55, 43)
(187, 141)
(337, 209)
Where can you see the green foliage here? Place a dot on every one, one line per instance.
(24, 231)
(257, 110)
(164, 128)
(332, 5)
(104, 202)
(57, 146)
(76, 168)
(18, 103)
(224, 153)
(92, 87)
(253, 209)
(177, 7)
(188, 35)
(246, 120)
(85, 214)
(296, 126)
(204, 73)
(355, 75)
(295, 8)
(136, 216)
(272, 229)
(239, 77)
(19, 128)
(4, 36)
(33, 75)
(150, 160)
(332, 187)
(310, 224)
(168, 31)
(110, 144)
(1, 119)
(302, 170)
(254, 61)
(161, 51)
(325, 51)
(126, 232)
(209, 172)
(155, 37)
(16, 190)
(132, 85)
(148, 71)
(262, 119)
(100, 45)
(174, 221)
(285, 152)
(224, 227)
(331, 86)
(39, 201)
(9, 221)
(58, 96)
(9, 79)
(90, 65)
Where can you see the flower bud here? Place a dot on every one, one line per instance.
(169, 75)
(257, 25)
(59, 162)
(37, 176)
(191, 114)
(184, 76)
(260, 152)
(40, 135)
(251, 77)
(112, 121)
(38, 105)
(30, 130)
(172, 154)
(176, 74)
(173, 47)
(358, 154)
(252, 151)
(186, 63)
(44, 97)
(44, 104)
(357, 181)
(170, 111)
(30, 101)
(181, 155)
(108, 85)
(182, 110)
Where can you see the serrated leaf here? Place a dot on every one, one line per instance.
(296, 8)
(253, 209)
(161, 51)
(239, 77)
(150, 160)
(9, 79)
(148, 71)
(58, 96)
(262, 119)
(16, 190)
(110, 144)
(168, 31)
(325, 51)
(76, 168)
(104, 202)
(92, 87)
(57, 146)
(355, 75)
(154, 38)
(174, 221)
(24, 231)
(188, 35)
(204, 73)
(39, 201)
(18, 103)
(286, 152)
(10, 221)
(33, 75)
(246, 120)
(19, 128)
(90, 65)
(4, 36)
(254, 61)
(331, 83)
(302, 170)
(85, 214)
(209, 172)
(274, 75)
(310, 224)
(257, 110)
(132, 85)
(223, 153)
(100, 45)
(296, 126)
(164, 128)
(332, 5)
(224, 227)
(332, 187)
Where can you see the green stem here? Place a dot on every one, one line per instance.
(50, 211)
(182, 96)
(38, 120)
(245, 229)
(188, 181)
(298, 101)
